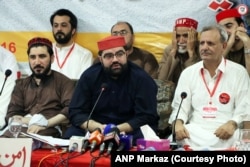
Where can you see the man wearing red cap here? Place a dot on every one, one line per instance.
(238, 45)
(183, 51)
(41, 100)
(127, 94)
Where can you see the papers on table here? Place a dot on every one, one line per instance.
(48, 139)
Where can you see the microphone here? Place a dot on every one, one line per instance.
(108, 128)
(76, 143)
(173, 144)
(103, 88)
(126, 142)
(7, 74)
(85, 143)
(112, 139)
(95, 139)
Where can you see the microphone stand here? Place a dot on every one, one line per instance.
(97, 100)
(173, 144)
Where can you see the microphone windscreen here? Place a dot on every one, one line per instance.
(127, 141)
(104, 86)
(183, 95)
(96, 136)
(8, 72)
(108, 128)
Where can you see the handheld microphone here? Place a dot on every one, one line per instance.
(7, 74)
(112, 139)
(95, 139)
(174, 144)
(103, 88)
(126, 142)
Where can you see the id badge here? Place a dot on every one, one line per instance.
(209, 112)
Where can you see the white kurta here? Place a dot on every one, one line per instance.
(234, 82)
(73, 62)
(5, 97)
(8, 61)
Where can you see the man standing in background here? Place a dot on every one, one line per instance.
(238, 45)
(140, 57)
(71, 59)
(183, 51)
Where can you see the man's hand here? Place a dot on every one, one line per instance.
(174, 44)
(35, 128)
(180, 131)
(226, 130)
(191, 42)
(241, 33)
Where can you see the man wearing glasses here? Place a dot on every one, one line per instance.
(116, 90)
(142, 58)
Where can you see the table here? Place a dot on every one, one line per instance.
(49, 158)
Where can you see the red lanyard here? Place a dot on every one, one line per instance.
(215, 86)
(65, 59)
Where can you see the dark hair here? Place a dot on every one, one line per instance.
(129, 26)
(239, 20)
(64, 12)
(49, 49)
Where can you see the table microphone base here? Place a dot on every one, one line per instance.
(174, 146)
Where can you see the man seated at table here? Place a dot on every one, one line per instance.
(214, 108)
(41, 100)
(128, 100)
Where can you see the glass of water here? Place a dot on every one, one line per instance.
(244, 140)
(15, 126)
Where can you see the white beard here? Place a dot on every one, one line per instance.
(182, 48)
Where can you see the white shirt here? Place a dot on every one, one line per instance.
(73, 59)
(5, 97)
(8, 61)
(234, 82)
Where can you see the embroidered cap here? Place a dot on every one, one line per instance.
(111, 42)
(39, 40)
(227, 14)
(186, 22)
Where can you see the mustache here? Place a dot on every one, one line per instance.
(38, 66)
(181, 44)
(205, 52)
(60, 33)
(116, 63)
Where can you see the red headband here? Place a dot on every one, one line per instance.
(186, 22)
(227, 14)
(39, 40)
(111, 42)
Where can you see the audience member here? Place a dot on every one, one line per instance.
(5, 94)
(238, 46)
(183, 51)
(8, 61)
(71, 59)
(128, 101)
(41, 100)
(141, 57)
(216, 88)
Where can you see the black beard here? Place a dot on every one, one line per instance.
(112, 73)
(62, 38)
(42, 75)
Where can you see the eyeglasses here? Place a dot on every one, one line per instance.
(122, 33)
(110, 56)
